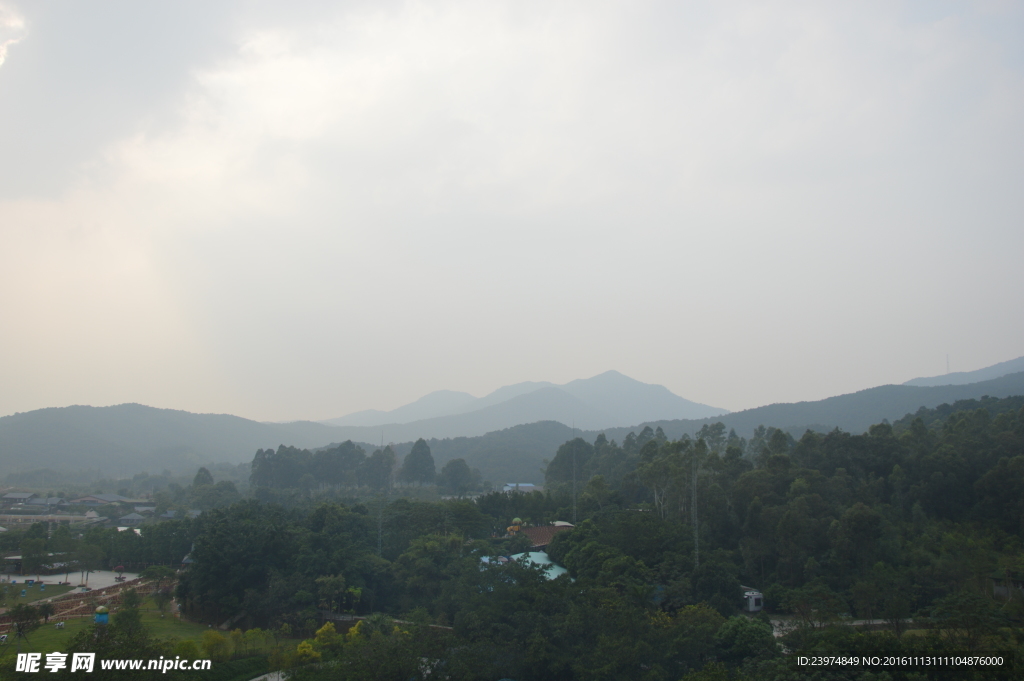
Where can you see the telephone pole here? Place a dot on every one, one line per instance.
(695, 469)
(380, 507)
(574, 471)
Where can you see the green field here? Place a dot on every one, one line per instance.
(32, 592)
(47, 638)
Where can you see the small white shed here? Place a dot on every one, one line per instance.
(753, 599)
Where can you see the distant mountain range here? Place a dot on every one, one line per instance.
(518, 454)
(131, 438)
(964, 377)
(508, 438)
(854, 412)
(604, 401)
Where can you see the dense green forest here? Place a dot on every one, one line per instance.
(910, 525)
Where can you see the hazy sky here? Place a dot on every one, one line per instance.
(300, 212)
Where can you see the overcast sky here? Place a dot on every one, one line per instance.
(300, 212)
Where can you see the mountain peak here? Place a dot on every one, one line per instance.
(606, 400)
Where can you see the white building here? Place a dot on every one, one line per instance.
(752, 598)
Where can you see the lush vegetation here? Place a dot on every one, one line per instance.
(345, 469)
(908, 525)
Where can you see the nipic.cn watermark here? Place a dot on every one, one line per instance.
(86, 662)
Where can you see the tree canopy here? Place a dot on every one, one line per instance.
(418, 466)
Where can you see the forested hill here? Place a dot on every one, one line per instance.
(131, 438)
(518, 454)
(964, 377)
(916, 525)
(854, 413)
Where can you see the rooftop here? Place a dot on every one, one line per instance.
(520, 487)
(541, 536)
(551, 569)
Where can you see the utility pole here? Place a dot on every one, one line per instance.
(380, 508)
(380, 526)
(574, 471)
(696, 533)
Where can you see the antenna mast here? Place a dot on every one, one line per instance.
(380, 507)
(574, 471)
(696, 532)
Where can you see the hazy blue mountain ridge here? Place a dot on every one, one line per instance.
(519, 453)
(437, 403)
(126, 439)
(546, 404)
(965, 377)
(853, 412)
(606, 400)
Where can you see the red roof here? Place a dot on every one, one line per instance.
(541, 536)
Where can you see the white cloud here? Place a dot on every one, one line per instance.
(12, 27)
(466, 194)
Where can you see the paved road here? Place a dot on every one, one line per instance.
(782, 627)
(97, 580)
(272, 676)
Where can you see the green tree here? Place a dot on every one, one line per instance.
(965, 619)
(816, 604)
(866, 595)
(45, 609)
(61, 542)
(89, 557)
(456, 477)
(33, 555)
(187, 649)
(128, 619)
(571, 462)
(660, 470)
(856, 536)
(124, 637)
(255, 639)
(216, 646)
(598, 491)
(694, 631)
(159, 574)
(162, 598)
(418, 465)
(741, 638)
(714, 435)
(377, 470)
(894, 596)
(330, 588)
(24, 617)
(203, 477)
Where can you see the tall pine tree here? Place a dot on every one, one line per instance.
(419, 464)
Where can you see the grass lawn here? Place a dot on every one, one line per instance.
(32, 593)
(47, 638)
(170, 626)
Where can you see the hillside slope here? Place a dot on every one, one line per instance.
(853, 412)
(603, 401)
(964, 377)
(518, 454)
(130, 438)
